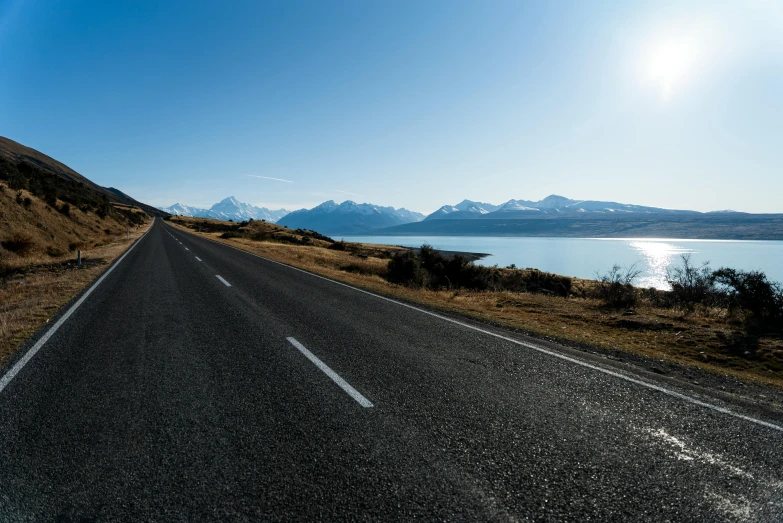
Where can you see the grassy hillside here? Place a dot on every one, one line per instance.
(44, 220)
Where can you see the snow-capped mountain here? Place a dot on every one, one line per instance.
(552, 205)
(228, 209)
(179, 209)
(348, 217)
(464, 209)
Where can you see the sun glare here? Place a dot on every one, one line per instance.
(672, 58)
(670, 62)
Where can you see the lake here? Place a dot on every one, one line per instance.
(583, 257)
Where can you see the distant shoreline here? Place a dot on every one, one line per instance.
(723, 227)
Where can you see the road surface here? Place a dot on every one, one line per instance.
(197, 382)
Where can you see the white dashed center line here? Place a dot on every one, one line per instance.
(199, 259)
(355, 394)
(219, 277)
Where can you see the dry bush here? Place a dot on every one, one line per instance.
(19, 243)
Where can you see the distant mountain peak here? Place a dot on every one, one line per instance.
(227, 209)
(348, 217)
(555, 201)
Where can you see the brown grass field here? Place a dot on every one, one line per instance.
(38, 274)
(706, 339)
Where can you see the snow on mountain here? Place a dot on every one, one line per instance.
(552, 205)
(228, 209)
(517, 205)
(553, 201)
(179, 209)
(479, 207)
(348, 217)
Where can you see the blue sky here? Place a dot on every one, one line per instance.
(414, 104)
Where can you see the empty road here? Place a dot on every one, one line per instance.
(197, 382)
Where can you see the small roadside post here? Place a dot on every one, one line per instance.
(79, 258)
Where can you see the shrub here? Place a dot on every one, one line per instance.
(691, 285)
(27, 202)
(405, 268)
(54, 252)
(65, 209)
(18, 243)
(338, 246)
(431, 269)
(51, 199)
(751, 291)
(616, 288)
(537, 282)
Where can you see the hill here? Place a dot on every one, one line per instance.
(16, 154)
(47, 217)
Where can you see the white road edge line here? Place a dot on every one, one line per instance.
(219, 277)
(355, 394)
(199, 259)
(554, 354)
(19, 365)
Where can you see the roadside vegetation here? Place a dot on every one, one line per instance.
(725, 321)
(45, 220)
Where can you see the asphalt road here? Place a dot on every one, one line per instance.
(173, 395)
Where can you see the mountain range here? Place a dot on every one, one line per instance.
(552, 205)
(348, 218)
(227, 209)
(552, 216)
(558, 216)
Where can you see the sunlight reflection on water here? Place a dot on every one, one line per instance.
(658, 256)
(588, 257)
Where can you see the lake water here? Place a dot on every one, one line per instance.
(583, 257)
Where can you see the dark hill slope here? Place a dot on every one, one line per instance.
(16, 154)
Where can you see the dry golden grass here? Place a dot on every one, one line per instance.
(41, 278)
(699, 340)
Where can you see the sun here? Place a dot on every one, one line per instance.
(670, 62)
(678, 53)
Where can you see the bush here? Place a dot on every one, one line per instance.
(19, 243)
(405, 268)
(65, 209)
(54, 252)
(339, 246)
(537, 282)
(691, 285)
(751, 291)
(51, 199)
(431, 269)
(616, 288)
